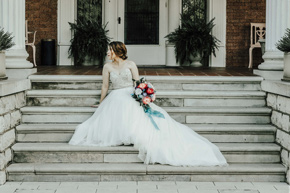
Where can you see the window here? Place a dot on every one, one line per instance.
(195, 8)
(89, 10)
(141, 22)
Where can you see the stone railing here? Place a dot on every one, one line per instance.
(12, 98)
(278, 98)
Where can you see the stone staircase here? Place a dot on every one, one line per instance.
(229, 111)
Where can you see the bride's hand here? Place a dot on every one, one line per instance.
(95, 106)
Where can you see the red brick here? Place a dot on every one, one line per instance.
(42, 17)
(240, 13)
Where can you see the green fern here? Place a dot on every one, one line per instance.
(5, 40)
(284, 43)
(193, 38)
(90, 39)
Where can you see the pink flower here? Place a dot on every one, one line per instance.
(142, 86)
(146, 100)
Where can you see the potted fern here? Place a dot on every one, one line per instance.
(284, 46)
(193, 40)
(89, 43)
(5, 43)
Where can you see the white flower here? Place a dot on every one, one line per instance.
(138, 91)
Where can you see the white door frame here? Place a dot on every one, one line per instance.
(67, 12)
(217, 9)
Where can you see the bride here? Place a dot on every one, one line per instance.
(120, 120)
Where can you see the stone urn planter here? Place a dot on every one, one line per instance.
(286, 76)
(2, 66)
(6, 42)
(284, 46)
(89, 62)
(195, 61)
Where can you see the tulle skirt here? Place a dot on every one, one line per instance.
(120, 120)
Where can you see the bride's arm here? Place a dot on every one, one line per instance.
(105, 85)
(135, 72)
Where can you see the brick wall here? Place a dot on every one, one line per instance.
(42, 17)
(240, 13)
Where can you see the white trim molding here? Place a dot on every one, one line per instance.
(218, 9)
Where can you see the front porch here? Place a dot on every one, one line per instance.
(151, 71)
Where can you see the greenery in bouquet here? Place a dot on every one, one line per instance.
(284, 43)
(5, 40)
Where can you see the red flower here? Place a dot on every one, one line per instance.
(146, 100)
(150, 91)
(142, 86)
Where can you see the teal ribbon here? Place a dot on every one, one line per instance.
(151, 113)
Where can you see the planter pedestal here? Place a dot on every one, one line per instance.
(286, 75)
(2, 66)
(89, 62)
(195, 61)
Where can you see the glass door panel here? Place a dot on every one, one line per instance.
(141, 22)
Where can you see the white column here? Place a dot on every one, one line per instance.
(174, 9)
(277, 20)
(66, 12)
(12, 18)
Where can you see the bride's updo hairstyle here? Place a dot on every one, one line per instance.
(119, 49)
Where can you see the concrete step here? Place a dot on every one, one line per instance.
(181, 114)
(78, 82)
(65, 153)
(141, 172)
(165, 98)
(247, 133)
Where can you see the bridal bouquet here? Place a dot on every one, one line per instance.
(145, 94)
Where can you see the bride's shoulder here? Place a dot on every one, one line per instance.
(131, 63)
(108, 64)
(107, 67)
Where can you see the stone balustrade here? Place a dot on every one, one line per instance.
(12, 98)
(278, 98)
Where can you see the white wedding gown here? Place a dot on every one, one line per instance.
(120, 119)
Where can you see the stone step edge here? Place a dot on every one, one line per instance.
(200, 128)
(176, 79)
(132, 168)
(232, 148)
(200, 110)
(171, 94)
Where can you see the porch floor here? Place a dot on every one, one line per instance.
(152, 71)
